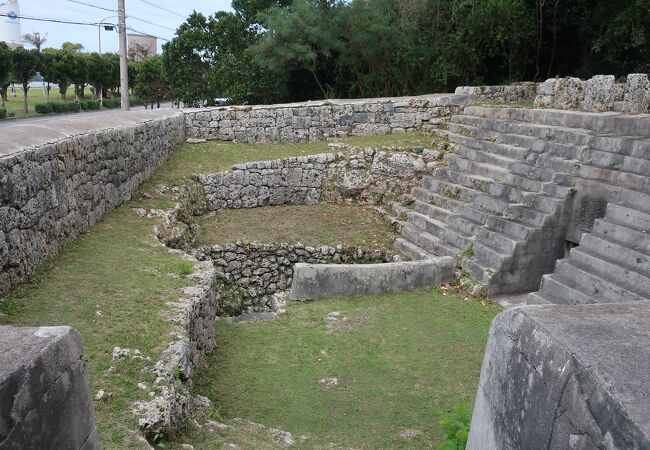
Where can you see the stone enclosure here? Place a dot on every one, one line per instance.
(515, 190)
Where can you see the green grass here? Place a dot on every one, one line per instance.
(311, 225)
(118, 269)
(35, 95)
(402, 361)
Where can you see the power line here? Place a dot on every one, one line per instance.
(162, 9)
(92, 6)
(147, 34)
(43, 19)
(129, 16)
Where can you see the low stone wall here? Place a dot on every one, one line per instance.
(509, 93)
(311, 281)
(45, 399)
(598, 94)
(60, 176)
(195, 314)
(365, 175)
(313, 121)
(258, 271)
(565, 377)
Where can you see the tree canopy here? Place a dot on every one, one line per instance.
(273, 50)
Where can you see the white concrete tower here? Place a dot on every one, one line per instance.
(10, 24)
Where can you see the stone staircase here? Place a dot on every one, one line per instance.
(611, 264)
(505, 200)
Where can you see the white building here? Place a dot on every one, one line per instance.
(10, 24)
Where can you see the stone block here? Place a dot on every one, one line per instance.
(558, 376)
(45, 400)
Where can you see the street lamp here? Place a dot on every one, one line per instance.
(107, 27)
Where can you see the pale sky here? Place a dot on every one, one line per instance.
(88, 35)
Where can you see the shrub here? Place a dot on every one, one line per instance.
(3, 113)
(43, 108)
(73, 107)
(135, 101)
(456, 428)
(112, 103)
(89, 105)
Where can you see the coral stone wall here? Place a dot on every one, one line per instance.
(259, 271)
(313, 121)
(516, 92)
(367, 175)
(598, 94)
(60, 179)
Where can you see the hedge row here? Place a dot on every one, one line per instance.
(3, 113)
(86, 105)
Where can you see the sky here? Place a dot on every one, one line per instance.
(165, 22)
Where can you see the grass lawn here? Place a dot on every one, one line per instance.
(113, 282)
(311, 225)
(35, 95)
(402, 361)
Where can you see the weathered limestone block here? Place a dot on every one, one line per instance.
(637, 94)
(560, 376)
(600, 93)
(45, 401)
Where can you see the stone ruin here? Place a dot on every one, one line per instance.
(555, 202)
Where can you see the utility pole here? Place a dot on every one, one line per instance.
(124, 68)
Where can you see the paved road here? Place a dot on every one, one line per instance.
(85, 114)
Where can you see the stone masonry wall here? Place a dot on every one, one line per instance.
(69, 177)
(313, 121)
(258, 271)
(598, 94)
(509, 93)
(365, 175)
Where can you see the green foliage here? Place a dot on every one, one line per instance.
(468, 251)
(3, 113)
(272, 50)
(150, 82)
(456, 428)
(43, 108)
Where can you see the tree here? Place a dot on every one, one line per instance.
(72, 47)
(300, 36)
(25, 65)
(150, 82)
(99, 74)
(78, 73)
(5, 71)
(48, 69)
(35, 39)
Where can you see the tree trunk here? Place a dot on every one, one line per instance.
(25, 91)
(320, 86)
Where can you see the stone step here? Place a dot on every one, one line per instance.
(599, 289)
(458, 134)
(411, 250)
(535, 299)
(621, 153)
(619, 254)
(623, 235)
(432, 211)
(438, 200)
(531, 135)
(428, 242)
(595, 122)
(605, 269)
(439, 229)
(488, 171)
(450, 190)
(557, 289)
(629, 217)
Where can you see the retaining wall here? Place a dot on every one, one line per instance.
(313, 121)
(60, 176)
(366, 176)
(312, 281)
(258, 271)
